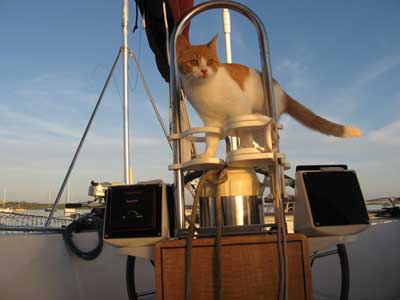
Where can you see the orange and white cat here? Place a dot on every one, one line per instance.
(219, 91)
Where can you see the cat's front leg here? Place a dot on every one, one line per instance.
(212, 142)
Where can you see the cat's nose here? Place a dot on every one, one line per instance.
(204, 71)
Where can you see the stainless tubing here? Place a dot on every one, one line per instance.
(175, 84)
(275, 173)
(262, 39)
(276, 188)
(71, 166)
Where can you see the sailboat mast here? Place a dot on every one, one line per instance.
(227, 33)
(125, 50)
(226, 18)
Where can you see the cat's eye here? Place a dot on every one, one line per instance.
(210, 62)
(194, 62)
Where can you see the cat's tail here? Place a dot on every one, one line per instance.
(315, 122)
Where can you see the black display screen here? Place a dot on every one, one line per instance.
(335, 198)
(133, 211)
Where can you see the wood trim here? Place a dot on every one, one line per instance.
(262, 258)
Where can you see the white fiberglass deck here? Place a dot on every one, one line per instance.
(39, 266)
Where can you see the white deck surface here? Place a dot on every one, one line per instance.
(39, 267)
(374, 266)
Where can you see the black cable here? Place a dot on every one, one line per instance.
(85, 222)
(189, 241)
(130, 277)
(219, 178)
(345, 270)
(139, 52)
(218, 254)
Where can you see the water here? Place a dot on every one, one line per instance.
(37, 218)
(59, 213)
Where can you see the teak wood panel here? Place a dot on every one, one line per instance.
(249, 268)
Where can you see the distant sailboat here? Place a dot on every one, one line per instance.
(69, 212)
(19, 209)
(4, 208)
(49, 207)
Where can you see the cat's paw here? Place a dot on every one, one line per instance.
(203, 155)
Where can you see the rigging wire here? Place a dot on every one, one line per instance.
(150, 97)
(117, 88)
(96, 71)
(138, 47)
(139, 52)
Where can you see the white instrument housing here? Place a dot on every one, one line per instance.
(329, 203)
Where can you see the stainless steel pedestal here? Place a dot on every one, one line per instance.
(237, 210)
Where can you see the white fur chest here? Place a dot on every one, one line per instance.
(216, 98)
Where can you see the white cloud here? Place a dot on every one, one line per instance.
(30, 123)
(236, 36)
(296, 77)
(349, 98)
(374, 156)
(377, 69)
(388, 135)
(41, 162)
(37, 150)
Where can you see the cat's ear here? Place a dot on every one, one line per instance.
(182, 43)
(213, 42)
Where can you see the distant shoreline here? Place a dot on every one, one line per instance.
(28, 205)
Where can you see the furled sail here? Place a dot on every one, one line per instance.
(152, 13)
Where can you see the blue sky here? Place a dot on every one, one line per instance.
(339, 58)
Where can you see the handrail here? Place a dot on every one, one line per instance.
(174, 87)
(176, 128)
